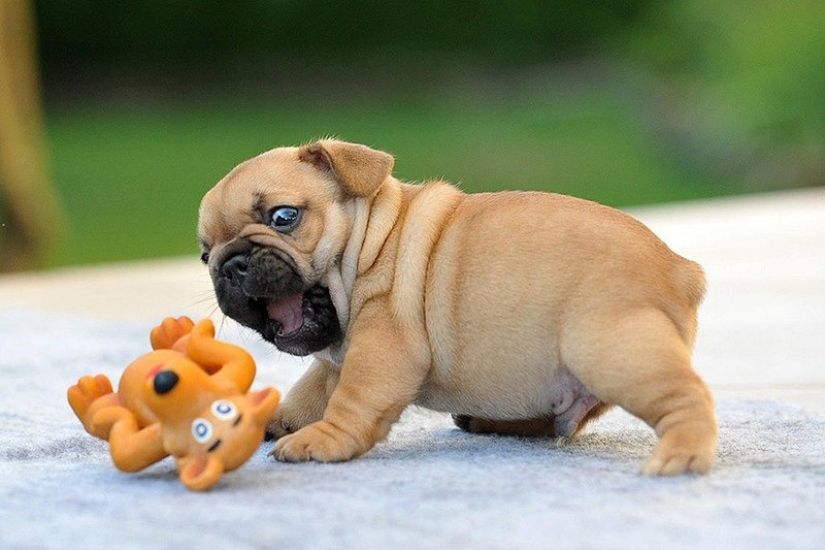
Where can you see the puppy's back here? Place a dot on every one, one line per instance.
(530, 258)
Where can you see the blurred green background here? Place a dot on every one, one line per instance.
(626, 102)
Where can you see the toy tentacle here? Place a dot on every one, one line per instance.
(171, 333)
(132, 449)
(223, 360)
(87, 397)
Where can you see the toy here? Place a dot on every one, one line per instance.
(187, 398)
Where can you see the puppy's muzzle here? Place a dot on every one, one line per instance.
(263, 289)
(259, 273)
(235, 269)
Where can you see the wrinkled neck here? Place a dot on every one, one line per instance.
(373, 220)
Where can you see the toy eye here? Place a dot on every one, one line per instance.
(202, 430)
(224, 410)
(284, 219)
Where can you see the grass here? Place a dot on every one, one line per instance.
(131, 177)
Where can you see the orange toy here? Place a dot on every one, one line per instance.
(187, 398)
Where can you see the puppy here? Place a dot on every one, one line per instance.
(519, 313)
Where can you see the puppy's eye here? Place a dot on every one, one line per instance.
(205, 257)
(284, 218)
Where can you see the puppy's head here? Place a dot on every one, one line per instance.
(274, 229)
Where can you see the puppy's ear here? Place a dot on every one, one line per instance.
(359, 170)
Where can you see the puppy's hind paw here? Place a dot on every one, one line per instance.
(685, 447)
(677, 463)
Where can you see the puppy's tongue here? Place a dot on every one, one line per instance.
(287, 313)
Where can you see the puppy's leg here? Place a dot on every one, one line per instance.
(639, 361)
(306, 400)
(379, 378)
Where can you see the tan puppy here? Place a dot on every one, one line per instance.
(520, 313)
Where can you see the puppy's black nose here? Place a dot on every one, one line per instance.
(165, 381)
(235, 268)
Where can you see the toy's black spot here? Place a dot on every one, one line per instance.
(165, 381)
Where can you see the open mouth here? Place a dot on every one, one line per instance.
(287, 314)
(307, 315)
(299, 322)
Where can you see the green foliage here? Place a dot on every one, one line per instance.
(748, 77)
(132, 179)
(171, 33)
(704, 98)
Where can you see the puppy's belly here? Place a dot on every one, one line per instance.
(556, 393)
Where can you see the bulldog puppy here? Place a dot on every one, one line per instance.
(519, 313)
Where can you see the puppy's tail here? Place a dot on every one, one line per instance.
(693, 283)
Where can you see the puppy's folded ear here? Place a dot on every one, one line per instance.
(359, 170)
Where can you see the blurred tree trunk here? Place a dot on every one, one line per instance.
(31, 219)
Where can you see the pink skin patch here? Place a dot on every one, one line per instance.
(154, 371)
(287, 312)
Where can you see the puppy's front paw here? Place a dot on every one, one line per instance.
(321, 441)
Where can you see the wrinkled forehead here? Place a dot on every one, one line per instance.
(274, 177)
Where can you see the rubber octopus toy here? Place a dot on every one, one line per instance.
(187, 398)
